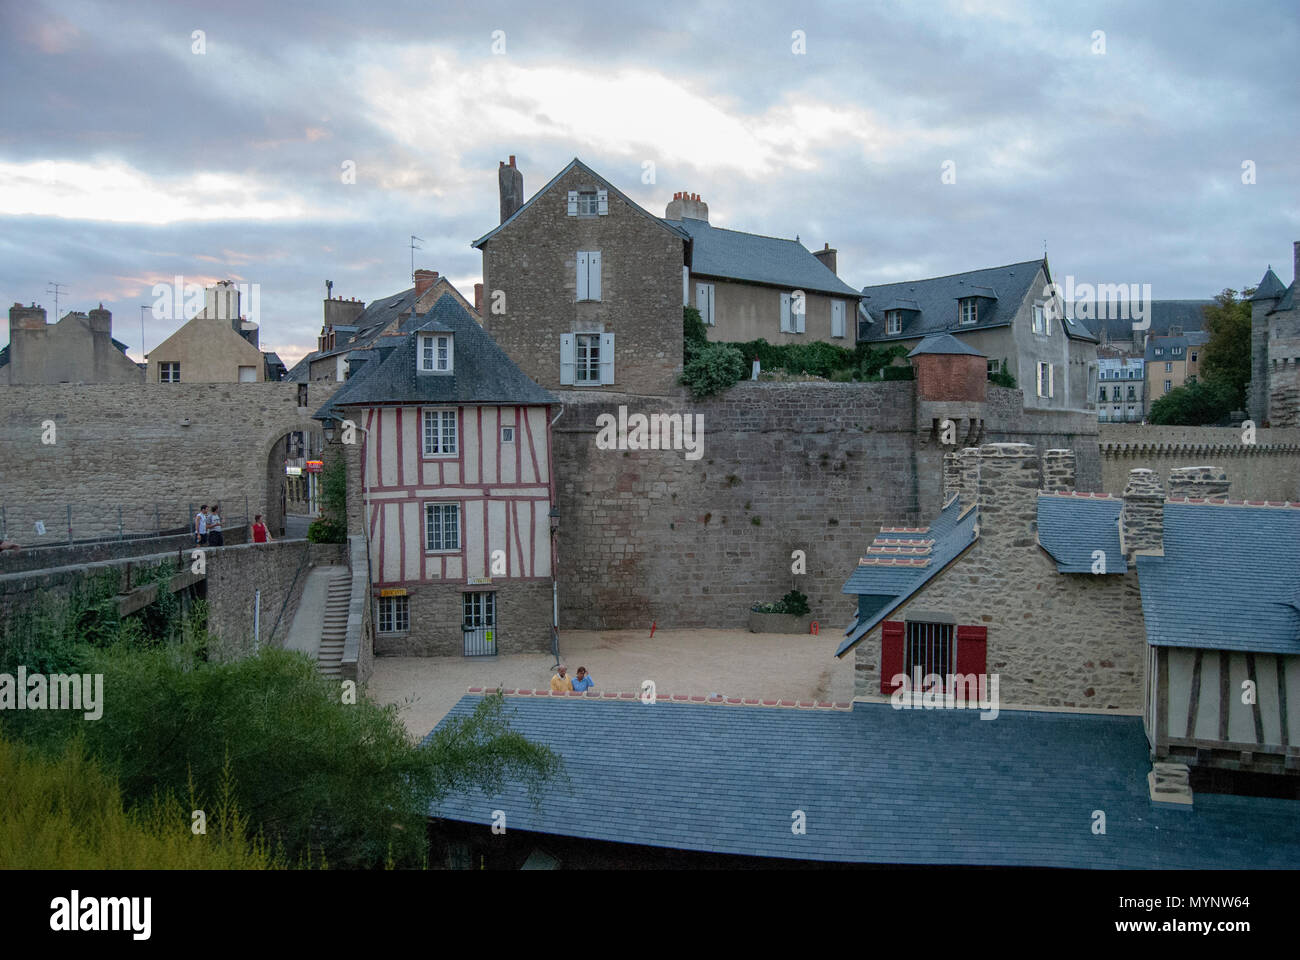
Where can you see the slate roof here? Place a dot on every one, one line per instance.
(1193, 338)
(1229, 578)
(946, 344)
(575, 162)
(754, 258)
(1072, 526)
(1163, 314)
(481, 372)
(1287, 302)
(368, 325)
(900, 561)
(877, 785)
(1270, 287)
(1004, 289)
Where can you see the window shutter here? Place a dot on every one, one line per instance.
(972, 650)
(566, 359)
(606, 358)
(573, 203)
(593, 275)
(837, 318)
(1051, 380)
(800, 317)
(785, 313)
(582, 276)
(1039, 365)
(602, 202)
(702, 302)
(686, 285)
(891, 654)
(712, 318)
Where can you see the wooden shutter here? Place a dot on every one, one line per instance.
(606, 358)
(837, 318)
(686, 285)
(602, 202)
(566, 358)
(1051, 380)
(593, 275)
(972, 650)
(892, 633)
(801, 316)
(786, 326)
(573, 203)
(1039, 366)
(713, 319)
(704, 301)
(582, 275)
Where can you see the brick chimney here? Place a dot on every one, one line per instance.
(424, 279)
(511, 183)
(1198, 482)
(1058, 471)
(1142, 518)
(1008, 493)
(687, 205)
(478, 299)
(827, 256)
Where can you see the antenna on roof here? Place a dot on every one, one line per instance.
(54, 289)
(414, 241)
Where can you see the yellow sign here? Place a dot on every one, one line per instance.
(477, 581)
(396, 592)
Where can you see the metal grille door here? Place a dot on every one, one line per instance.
(480, 624)
(929, 651)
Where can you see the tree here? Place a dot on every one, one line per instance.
(1196, 404)
(332, 527)
(1226, 357)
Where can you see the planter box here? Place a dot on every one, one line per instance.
(778, 623)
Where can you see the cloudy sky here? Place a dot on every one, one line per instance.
(132, 151)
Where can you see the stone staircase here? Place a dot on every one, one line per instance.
(335, 626)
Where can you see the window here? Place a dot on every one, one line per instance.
(837, 318)
(994, 366)
(439, 433)
(967, 311)
(929, 650)
(394, 615)
(1114, 394)
(247, 375)
(893, 321)
(792, 312)
(588, 278)
(1132, 393)
(704, 302)
(1040, 319)
(507, 434)
(1046, 380)
(169, 373)
(588, 203)
(435, 354)
(587, 359)
(1160, 351)
(1193, 356)
(1177, 351)
(1168, 385)
(1169, 367)
(441, 526)
(479, 610)
(1102, 395)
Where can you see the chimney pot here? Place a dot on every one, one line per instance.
(512, 159)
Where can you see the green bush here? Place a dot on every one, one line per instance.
(793, 603)
(712, 368)
(1002, 378)
(694, 332)
(326, 530)
(898, 373)
(1196, 404)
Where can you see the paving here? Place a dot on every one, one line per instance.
(730, 662)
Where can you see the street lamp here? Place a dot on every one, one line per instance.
(329, 426)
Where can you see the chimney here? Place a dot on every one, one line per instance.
(424, 279)
(1058, 471)
(687, 205)
(1142, 518)
(511, 183)
(961, 474)
(827, 256)
(478, 299)
(101, 321)
(26, 318)
(1209, 483)
(1008, 493)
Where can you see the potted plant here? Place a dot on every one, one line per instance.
(790, 614)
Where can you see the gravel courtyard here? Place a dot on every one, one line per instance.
(730, 662)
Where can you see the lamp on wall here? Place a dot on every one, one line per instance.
(555, 519)
(328, 426)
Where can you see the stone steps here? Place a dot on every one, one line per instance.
(334, 627)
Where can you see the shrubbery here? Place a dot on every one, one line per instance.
(793, 603)
(712, 368)
(1195, 404)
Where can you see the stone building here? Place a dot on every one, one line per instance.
(583, 288)
(1275, 350)
(1172, 361)
(748, 286)
(219, 345)
(1010, 314)
(1121, 386)
(452, 484)
(1122, 329)
(77, 349)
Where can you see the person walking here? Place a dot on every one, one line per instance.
(201, 525)
(260, 533)
(215, 538)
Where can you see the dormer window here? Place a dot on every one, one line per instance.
(1160, 351)
(435, 353)
(893, 321)
(967, 312)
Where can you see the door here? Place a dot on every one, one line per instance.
(480, 624)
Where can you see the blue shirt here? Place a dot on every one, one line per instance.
(583, 684)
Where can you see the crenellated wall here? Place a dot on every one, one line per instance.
(1267, 469)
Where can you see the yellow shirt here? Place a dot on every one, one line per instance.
(561, 683)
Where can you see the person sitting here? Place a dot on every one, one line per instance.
(560, 682)
(583, 680)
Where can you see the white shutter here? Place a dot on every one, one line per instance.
(582, 275)
(702, 302)
(1039, 367)
(1051, 380)
(593, 275)
(602, 202)
(566, 359)
(686, 285)
(837, 318)
(606, 358)
(786, 326)
(801, 316)
(573, 203)
(713, 317)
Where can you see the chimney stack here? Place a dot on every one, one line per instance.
(511, 183)
(478, 299)
(1008, 492)
(26, 318)
(1208, 483)
(687, 206)
(424, 279)
(1142, 518)
(828, 258)
(101, 321)
(1058, 471)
